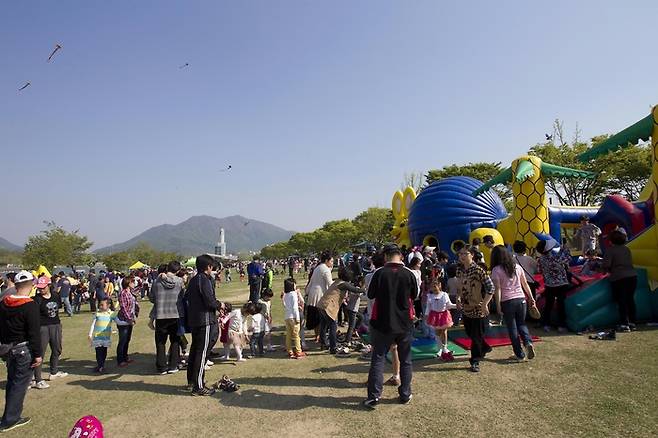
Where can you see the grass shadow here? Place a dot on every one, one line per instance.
(109, 383)
(270, 401)
(298, 382)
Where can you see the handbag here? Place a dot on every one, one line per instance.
(534, 313)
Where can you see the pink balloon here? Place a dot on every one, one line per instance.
(87, 427)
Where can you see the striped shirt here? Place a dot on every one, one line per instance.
(101, 328)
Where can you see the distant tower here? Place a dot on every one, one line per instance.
(221, 245)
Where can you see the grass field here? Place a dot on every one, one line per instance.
(575, 387)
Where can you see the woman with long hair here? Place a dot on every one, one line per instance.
(513, 295)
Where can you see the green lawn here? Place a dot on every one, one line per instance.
(575, 387)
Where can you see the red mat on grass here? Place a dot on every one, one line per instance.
(496, 337)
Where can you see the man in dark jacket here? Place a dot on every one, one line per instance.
(255, 275)
(393, 287)
(164, 294)
(19, 329)
(202, 320)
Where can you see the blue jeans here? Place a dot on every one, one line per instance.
(67, 305)
(381, 343)
(19, 375)
(328, 325)
(514, 312)
(125, 333)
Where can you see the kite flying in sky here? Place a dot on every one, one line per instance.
(187, 64)
(227, 169)
(27, 84)
(57, 47)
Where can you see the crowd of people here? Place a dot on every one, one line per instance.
(409, 293)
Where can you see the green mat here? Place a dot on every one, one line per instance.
(424, 348)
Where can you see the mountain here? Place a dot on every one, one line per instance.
(5, 244)
(199, 234)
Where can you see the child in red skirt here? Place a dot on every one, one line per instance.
(437, 315)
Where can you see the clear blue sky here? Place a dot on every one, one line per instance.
(320, 107)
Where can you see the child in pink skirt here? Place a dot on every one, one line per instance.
(437, 315)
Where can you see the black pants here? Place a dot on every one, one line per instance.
(51, 335)
(328, 330)
(254, 289)
(354, 319)
(623, 292)
(19, 375)
(381, 342)
(166, 328)
(101, 355)
(125, 333)
(198, 356)
(552, 294)
(475, 329)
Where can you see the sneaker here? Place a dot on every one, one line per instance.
(393, 381)
(291, 355)
(207, 368)
(517, 359)
(370, 403)
(210, 363)
(475, 368)
(624, 328)
(174, 371)
(204, 392)
(21, 422)
(42, 385)
(300, 355)
(100, 370)
(58, 375)
(530, 351)
(242, 359)
(123, 364)
(33, 384)
(162, 373)
(405, 401)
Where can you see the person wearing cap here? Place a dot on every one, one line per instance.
(553, 264)
(19, 328)
(588, 234)
(49, 304)
(393, 289)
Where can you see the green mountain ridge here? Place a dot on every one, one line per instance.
(199, 234)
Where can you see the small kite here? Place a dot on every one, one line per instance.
(548, 137)
(57, 47)
(27, 84)
(187, 64)
(227, 169)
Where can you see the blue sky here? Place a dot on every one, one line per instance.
(320, 107)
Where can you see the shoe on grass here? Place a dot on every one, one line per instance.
(204, 392)
(58, 374)
(210, 363)
(530, 351)
(370, 403)
(174, 371)
(475, 368)
(21, 422)
(405, 401)
(41, 384)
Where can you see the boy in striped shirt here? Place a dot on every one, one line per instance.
(100, 333)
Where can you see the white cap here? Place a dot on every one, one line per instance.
(23, 276)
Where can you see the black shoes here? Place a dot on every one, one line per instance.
(370, 403)
(475, 367)
(204, 392)
(405, 401)
(21, 422)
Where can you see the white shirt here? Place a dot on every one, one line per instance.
(236, 322)
(291, 306)
(438, 303)
(257, 323)
(320, 282)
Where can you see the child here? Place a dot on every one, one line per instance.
(437, 315)
(266, 310)
(593, 263)
(100, 333)
(236, 332)
(292, 301)
(256, 328)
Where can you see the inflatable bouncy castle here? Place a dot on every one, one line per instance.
(460, 208)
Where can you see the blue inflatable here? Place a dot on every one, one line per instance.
(445, 212)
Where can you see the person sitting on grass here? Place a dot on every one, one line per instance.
(292, 304)
(100, 333)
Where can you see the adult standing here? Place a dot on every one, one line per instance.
(317, 285)
(164, 294)
(528, 264)
(91, 289)
(588, 234)
(618, 261)
(19, 328)
(255, 278)
(513, 296)
(393, 289)
(126, 319)
(554, 265)
(202, 306)
(64, 291)
(50, 330)
(475, 290)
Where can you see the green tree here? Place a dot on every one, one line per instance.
(56, 246)
(337, 236)
(118, 261)
(374, 225)
(9, 257)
